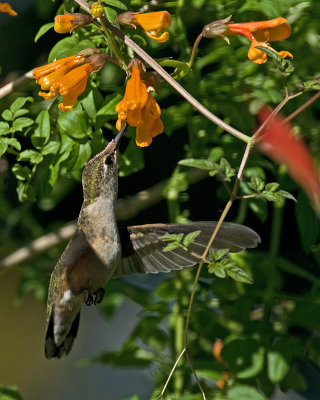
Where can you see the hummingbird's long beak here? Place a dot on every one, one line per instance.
(117, 139)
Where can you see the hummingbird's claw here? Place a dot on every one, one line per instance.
(99, 294)
(96, 298)
(88, 299)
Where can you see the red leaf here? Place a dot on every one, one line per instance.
(278, 142)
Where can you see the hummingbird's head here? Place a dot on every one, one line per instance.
(100, 176)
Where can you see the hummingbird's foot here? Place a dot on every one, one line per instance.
(88, 298)
(99, 294)
(96, 298)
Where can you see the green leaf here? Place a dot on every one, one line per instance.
(111, 14)
(115, 3)
(272, 187)
(171, 246)
(238, 274)
(20, 123)
(19, 103)
(7, 115)
(108, 109)
(244, 392)
(9, 393)
(44, 29)
(41, 134)
(92, 102)
(50, 148)
(278, 366)
(21, 172)
(217, 269)
(75, 123)
(198, 163)
(168, 237)
(32, 156)
(271, 53)
(64, 48)
(256, 183)
(5, 142)
(4, 128)
(25, 192)
(131, 160)
(83, 156)
(189, 238)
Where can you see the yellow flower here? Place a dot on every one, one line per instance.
(260, 33)
(152, 23)
(6, 8)
(68, 76)
(139, 109)
(68, 22)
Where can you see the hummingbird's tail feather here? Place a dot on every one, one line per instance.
(54, 350)
(142, 246)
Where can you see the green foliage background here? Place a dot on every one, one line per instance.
(270, 328)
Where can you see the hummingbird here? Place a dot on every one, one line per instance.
(99, 250)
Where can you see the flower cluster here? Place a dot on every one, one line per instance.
(139, 109)
(68, 76)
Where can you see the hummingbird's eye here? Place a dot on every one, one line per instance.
(110, 160)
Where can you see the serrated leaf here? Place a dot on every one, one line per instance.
(115, 3)
(21, 172)
(44, 29)
(287, 195)
(217, 269)
(272, 187)
(171, 246)
(172, 237)
(238, 274)
(198, 163)
(32, 156)
(4, 128)
(20, 123)
(278, 366)
(41, 134)
(256, 183)
(189, 238)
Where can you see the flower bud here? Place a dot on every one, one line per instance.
(216, 28)
(68, 22)
(97, 9)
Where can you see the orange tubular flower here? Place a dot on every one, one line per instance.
(68, 22)
(6, 8)
(260, 33)
(68, 76)
(152, 23)
(139, 109)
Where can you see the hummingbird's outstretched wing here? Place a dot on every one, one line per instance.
(142, 245)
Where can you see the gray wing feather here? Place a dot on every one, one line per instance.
(142, 247)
